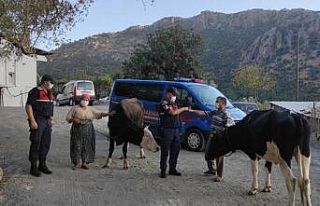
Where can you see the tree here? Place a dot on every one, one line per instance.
(168, 53)
(102, 85)
(253, 79)
(28, 22)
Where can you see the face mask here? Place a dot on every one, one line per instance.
(217, 105)
(84, 103)
(173, 99)
(49, 85)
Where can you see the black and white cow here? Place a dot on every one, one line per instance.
(126, 125)
(275, 137)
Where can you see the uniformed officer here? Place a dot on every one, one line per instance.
(170, 138)
(39, 108)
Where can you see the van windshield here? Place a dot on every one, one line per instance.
(207, 95)
(84, 86)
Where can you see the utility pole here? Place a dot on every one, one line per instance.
(297, 69)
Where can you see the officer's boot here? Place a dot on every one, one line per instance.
(34, 170)
(43, 168)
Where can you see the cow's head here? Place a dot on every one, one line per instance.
(218, 146)
(148, 142)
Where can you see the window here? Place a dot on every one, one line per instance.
(207, 95)
(184, 99)
(140, 91)
(68, 89)
(124, 90)
(63, 90)
(84, 86)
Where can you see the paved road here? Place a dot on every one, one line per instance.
(140, 185)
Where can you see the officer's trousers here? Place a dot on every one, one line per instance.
(170, 141)
(40, 141)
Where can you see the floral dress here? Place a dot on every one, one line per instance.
(83, 138)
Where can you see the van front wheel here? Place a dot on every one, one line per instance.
(71, 102)
(194, 140)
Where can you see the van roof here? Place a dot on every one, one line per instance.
(158, 81)
(71, 81)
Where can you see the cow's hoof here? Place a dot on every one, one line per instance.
(108, 163)
(125, 164)
(267, 189)
(253, 191)
(142, 157)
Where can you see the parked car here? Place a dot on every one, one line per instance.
(195, 129)
(247, 107)
(71, 92)
(104, 99)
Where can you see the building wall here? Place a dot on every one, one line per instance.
(25, 79)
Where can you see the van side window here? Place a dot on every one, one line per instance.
(184, 99)
(68, 89)
(124, 90)
(140, 91)
(149, 92)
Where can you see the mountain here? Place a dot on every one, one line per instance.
(283, 42)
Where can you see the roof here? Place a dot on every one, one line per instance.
(158, 81)
(34, 50)
(304, 108)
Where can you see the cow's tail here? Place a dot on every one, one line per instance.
(304, 132)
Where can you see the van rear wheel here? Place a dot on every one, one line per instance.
(194, 140)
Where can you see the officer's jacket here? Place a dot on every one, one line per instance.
(167, 120)
(41, 102)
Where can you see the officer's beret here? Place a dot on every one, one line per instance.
(173, 91)
(47, 77)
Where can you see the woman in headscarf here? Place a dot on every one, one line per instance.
(82, 143)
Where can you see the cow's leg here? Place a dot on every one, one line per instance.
(255, 171)
(142, 155)
(306, 178)
(124, 152)
(121, 157)
(297, 156)
(267, 186)
(111, 149)
(290, 180)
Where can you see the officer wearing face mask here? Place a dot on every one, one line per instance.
(170, 138)
(39, 109)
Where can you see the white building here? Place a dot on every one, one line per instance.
(18, 74)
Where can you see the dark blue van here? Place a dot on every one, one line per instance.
(195, 128)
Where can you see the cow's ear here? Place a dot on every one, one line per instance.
(147, 126)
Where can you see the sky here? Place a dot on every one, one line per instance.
(117, 15)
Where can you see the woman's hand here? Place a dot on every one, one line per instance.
(33, 124)
(76, 120)
(52, 122)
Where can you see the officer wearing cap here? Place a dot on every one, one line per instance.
(39, 109)
(170, 138)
